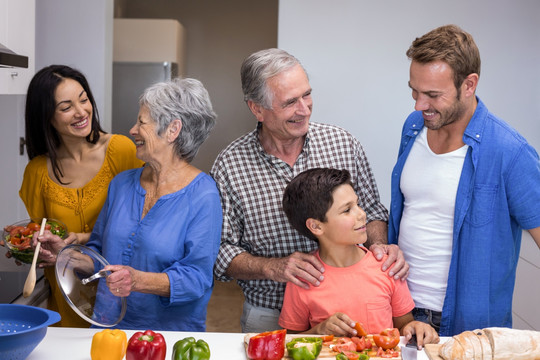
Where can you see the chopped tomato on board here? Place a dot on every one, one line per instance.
(328, 338)
(361, 343)
(387, 339)
(344, 344)
(388, 353)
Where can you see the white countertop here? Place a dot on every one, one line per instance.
(74, 344)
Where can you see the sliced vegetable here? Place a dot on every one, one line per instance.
(146, 346)
(108, 345)
(327, 338)
(191, 349)
(344, 344)
(360, 331)
(304, 348)
(269, 345)
(361, 343)
(387, 339)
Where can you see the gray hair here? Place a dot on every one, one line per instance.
(188, 101)
(258, 68)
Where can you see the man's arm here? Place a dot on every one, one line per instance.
(288, 269)
(377, 233)
(535, 233)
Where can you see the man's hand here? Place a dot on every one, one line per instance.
(298, 268)
(399, 268)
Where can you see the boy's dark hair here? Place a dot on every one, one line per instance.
(309, 195)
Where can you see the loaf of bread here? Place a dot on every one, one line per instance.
(493, 344)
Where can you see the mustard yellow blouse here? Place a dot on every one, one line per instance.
(78, 208)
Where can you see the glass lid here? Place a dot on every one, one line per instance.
(80, 275)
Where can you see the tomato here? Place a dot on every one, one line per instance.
(387, 339)
(361, 343)
(16, 231)
(327, 338)
(47, 226)
(360, 331)
(389, 353)
(344, 344)
(33, 226)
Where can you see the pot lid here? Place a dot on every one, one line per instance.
(80, 276)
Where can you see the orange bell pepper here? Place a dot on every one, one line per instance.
(109, 345)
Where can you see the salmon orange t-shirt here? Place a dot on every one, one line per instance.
(362, 291)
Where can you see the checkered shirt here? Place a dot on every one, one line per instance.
(251, 183)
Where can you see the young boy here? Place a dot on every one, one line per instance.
(322, 205)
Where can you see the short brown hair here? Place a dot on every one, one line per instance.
(310, 195)
(452, 45)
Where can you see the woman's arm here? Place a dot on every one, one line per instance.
(124, 280)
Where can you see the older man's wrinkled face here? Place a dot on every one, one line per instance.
(291, 105)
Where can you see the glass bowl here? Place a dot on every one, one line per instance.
(18, 237)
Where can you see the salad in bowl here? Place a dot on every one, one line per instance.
(18, 236)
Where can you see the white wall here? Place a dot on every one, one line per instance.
(78, 33)
(354, 52)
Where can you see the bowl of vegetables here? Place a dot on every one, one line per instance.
(18, 236)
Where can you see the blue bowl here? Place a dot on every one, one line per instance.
(22, 328)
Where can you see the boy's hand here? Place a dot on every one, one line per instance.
(338, 324)
(425, 333)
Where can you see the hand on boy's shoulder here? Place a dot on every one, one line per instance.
(298, 268)
(395, 261)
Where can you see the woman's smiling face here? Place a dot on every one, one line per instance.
(73, 109)
(144, 133)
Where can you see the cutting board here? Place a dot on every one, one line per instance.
(432, 351)
(326, 352)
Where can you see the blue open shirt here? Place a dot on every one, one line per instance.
(498, 195)
(179, 236)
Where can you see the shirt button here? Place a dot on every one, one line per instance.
(477, 136)
(416, 132)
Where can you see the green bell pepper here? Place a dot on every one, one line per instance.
(191, 349)
(304, 348)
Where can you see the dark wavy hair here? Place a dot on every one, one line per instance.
(310, 195)
(41, 136)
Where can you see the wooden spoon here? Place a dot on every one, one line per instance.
(30, 282)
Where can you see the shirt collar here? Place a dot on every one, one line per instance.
(257, 143)
(475, 129)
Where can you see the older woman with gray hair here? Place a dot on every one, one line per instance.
(161, 224)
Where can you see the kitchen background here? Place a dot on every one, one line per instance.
(353, 51)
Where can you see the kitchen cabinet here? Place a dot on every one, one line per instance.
(17, 33)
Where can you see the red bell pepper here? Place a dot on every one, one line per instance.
(269, 345)
(146, 346)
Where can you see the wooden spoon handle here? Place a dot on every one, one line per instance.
(30, 282)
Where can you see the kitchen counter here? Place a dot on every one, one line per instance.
(74, 344)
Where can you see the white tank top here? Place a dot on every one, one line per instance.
(429, 184)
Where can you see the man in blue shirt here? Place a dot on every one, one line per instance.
(464, 187)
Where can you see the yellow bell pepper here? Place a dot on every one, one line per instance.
(109, 345)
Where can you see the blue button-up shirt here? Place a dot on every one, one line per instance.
(498, 195)
(179, 236)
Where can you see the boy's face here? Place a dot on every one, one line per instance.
(345, 220)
